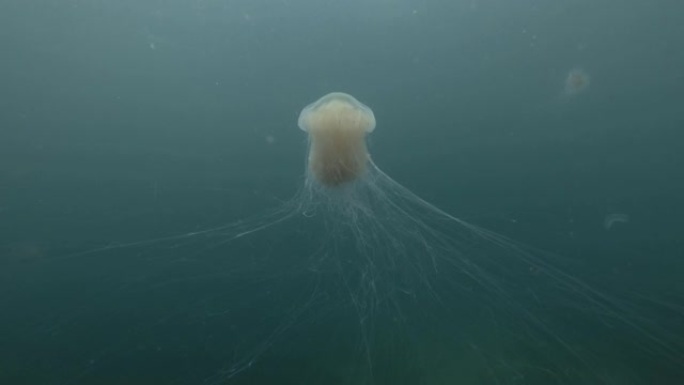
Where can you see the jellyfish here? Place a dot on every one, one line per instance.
(576, 81)
(611, 219)
(358, 280)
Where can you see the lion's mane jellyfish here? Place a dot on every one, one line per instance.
(357, 280)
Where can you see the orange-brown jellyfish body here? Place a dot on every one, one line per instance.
(395, 290)
(337, 125)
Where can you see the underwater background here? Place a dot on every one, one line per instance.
(137, 120)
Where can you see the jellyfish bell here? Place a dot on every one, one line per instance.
(576, 81)
(337, 125)
(610, 220)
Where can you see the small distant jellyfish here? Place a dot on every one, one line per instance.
(270, 139)
(576, 81)
(611, 219)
